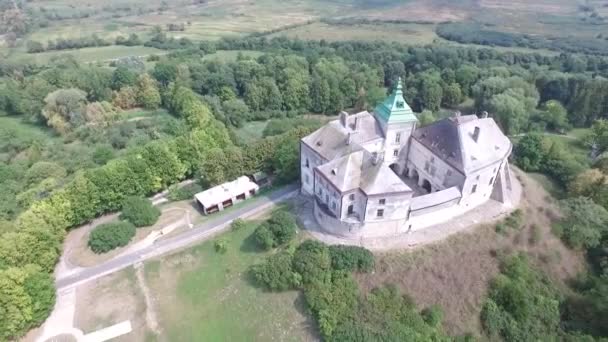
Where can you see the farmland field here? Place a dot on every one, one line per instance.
(92, 54)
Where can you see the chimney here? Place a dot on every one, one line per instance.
(476, 134)
(343, 118)
(456, 114)
(375, 158)
(355, 124)
(484, 115)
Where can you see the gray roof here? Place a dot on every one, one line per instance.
(358, 171)
(452, 140)
(330, 141)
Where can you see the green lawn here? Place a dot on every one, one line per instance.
(93, 54)
(206, 296)
(251, 131)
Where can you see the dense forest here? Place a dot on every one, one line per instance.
(87, 157)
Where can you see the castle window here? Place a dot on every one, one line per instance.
(351, 197)
(380, 213)
(396, 153)
(400, 104)
(333, 205)
(320, 192)
(326, 198)
(474, 189)
(307, 163)
(433, 170)
(382, 201)
(491, 180)
(478, 176)
(306, 180)
(398, 138)
(427, 166)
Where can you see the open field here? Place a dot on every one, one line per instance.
(410, 33)
(115, 298)
(92, 54)
(201, 295)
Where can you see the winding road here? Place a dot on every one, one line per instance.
(184, 239)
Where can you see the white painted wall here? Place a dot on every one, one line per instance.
(396, 207)
(439, 173)
(307, 172)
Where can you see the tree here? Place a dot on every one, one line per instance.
(278, 230)
(236, 112)
(123, 77)
(510, 111)
(42, 170)
(522, 305)
(33, 46)
(125, 98)
(64, 109)
(529, 154)
(452, 95)
(430, 94)
(147, 92)
(426, 118)
(286, 160)
(109, 236)
(598, 137)
(584, 223)
(554, 115)
(139, 211)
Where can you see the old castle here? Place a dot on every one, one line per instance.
(377, 174)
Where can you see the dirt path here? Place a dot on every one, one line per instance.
(151, 320)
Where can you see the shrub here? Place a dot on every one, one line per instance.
(264, 237)
(584, 223)
(351, 258)
(522, 304)
(313, 261)
(276, 273)
(139, 211)
(237, 225)
(278, 230)
(186, 192)
(108, 236)
(433, 315)
(220, 246)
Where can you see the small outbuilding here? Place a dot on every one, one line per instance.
(225, 195)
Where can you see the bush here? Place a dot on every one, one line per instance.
(237, 225)
(108, 236)
(584, 223)
(351, 258)
(278, 230)
(522, 304)
(313, 261)
(139, 211)
(276, 273)
(220, 246)
(186, 192)
(264, 237)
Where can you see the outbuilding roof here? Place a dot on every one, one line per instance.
(226, 191)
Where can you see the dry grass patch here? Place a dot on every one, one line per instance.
(111, 300)
(455, 273)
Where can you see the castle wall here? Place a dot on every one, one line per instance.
(393, 207)
(358, 200)
(440, 174)
(479, 185)
(327, 195)
(308, 161)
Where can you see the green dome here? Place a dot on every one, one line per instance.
(394, 109)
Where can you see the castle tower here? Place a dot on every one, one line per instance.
(398, 122)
